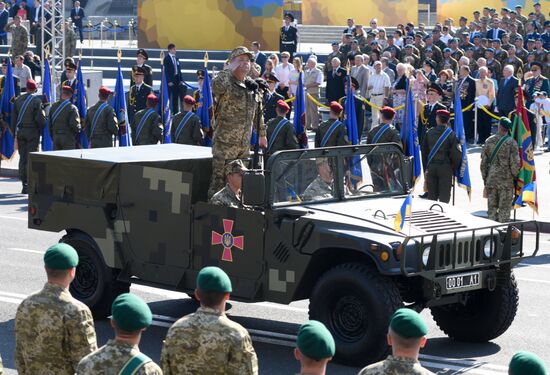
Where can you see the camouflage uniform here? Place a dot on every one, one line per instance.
(339, 136)
(28, 131)
(317, 189)
(111, 358)
(285, 140)
(238, 110)
(19, 39)
(53, 331)
(207, 342)
(1, 367)
(65, 127)
(191, 133)
(70, 42)
(395, 366)
(499, 176)
(152, 130)
(105, 127)
(226, 197)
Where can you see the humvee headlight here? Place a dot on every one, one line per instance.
(488, 248)
(425, 256)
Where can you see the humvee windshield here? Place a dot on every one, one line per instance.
(303, 177)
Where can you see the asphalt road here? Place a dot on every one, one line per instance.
(273, 327)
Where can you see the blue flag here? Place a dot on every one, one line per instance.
(401, 215)
(462, 173)
(205, 109)
(47, 142)
(163, 109)
(81, 105)
(353, 136)
(409, 134)
(119, 105)
(300, 112)
(7, 148)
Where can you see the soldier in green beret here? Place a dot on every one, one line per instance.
(53, 331)
(526, 363)
(207, 342)
(130, 317)
(406, 336)
(315, 348)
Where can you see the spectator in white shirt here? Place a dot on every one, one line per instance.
(23, 72)
(445, 36)
(379, 89)
(282, 71)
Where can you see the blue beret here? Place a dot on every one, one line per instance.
(526, 363)
(407, 323)
(213, 279)
(447, 50)
(61, 256)
(130, 313)
(490, 50)
(315, 341)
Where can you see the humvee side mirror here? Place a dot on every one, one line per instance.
(408, 172)
(253, 188)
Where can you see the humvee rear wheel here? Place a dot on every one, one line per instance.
(355, 302)
(95, 284)
(485, 316)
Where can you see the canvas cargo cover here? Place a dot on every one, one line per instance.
(92, 175)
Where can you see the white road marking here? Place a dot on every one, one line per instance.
(161, 292)
(15, 301)
(13, 218)
(25, 250)
(531, 265)
(470, 362)
(16, 295)
(533, 280)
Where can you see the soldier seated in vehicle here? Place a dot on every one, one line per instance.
(230, 195)
(321, 187)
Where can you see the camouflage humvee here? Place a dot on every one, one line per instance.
(317, 224)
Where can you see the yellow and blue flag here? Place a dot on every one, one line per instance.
(7, 147)
(528, 195)
(47, 142)
(403, 212)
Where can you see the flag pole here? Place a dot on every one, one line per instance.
(162, 94)
(206, 60)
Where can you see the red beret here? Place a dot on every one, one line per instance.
(31, 85)
(281, 104)
(151, 98)
(443, 113)
(189, 99)
(336, 107)
(68, 89)
(105, 91)
(388, 111)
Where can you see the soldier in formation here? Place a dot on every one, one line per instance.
(27, 121)
(130, 317)
(141, 58)
(280, 131)
(385, 132)
(271, 97)
(138, 93)
(101, 120)
(186, 125)
(53, 331)
(315, 347)
(441, 156)
(147, 127)
(238, 110)
(64, 121)
(332, 132)
(406, 336)
(230, 195)
(427, 118)
(526, 363)
(500, 165)
(71, 81)
(207, 342)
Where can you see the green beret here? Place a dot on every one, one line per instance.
(213, 279)
(315, 341)
(527, 363)
(408, 323)
(61, 256)
(131, 313)
(505, 123)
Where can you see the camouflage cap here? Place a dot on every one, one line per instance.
(239, 51)
(213, 279)
(235, 166)
(526, 363)
(407, 323)
(315, 341)
(61, 256)
(130, 313)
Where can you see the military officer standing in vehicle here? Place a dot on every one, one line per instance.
(500, 165)
(230, 195)
(315, 348)
(238, 109)
(27, 121)
(147, 126)
(332, 132)
(406, 336)
(53, 331)
(186, 125)
(102, 121)
(141, 58)
(130, 318)
(207, 342)
(385, 132)
(137, 96)
(441, 156)
(280, 131)
(64, 121)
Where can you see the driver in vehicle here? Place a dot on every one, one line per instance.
(230, 195)
(321, 187)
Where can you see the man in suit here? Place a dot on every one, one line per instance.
(289, 36)
(271, 97)
(259, 57)
(336, 79)
(34, 17)
(351, 27)
(137, 96)
(172, 69)
(4, 15)
(467, 86)
(141, 58)
(361, 73)
(14, 8)
(428, 115)
(335, 53)
(77, 14)
(495, 32)
(508, 86)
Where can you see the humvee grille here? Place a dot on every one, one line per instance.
(465, 254)
(281, 253)
(431, 222)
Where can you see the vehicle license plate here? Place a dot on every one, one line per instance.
(462, 281)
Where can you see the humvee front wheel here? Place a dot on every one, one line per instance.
(485, 316)
(356, 303)
(95, 284)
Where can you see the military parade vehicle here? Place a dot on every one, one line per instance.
(315, 224)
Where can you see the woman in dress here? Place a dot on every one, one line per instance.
(399, 92)
(295, 75)
(444, 81)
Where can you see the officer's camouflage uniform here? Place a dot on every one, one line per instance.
(28, 132)
(19, 39)
(286, 138)
(395, 366)
(389, 136)
(105, 127)
(317, 189)
(53, 331)
(70, 42)
(191, 134)
(111, 358)
(152, 130)
(237, 111)
(339, 136)
(499, 176)
(225, 197)
(65, 127)
(207, 342)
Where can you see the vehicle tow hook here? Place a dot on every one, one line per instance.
(437, 291)
(491, 283)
